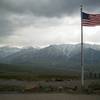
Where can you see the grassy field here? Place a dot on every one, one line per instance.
(35, 77)
(31, 83)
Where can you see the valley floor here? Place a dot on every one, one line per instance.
(65, 86)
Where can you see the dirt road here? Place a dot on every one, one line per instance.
(48, 97)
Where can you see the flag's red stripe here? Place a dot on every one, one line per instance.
(93, 20)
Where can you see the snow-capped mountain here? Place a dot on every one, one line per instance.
(55, 56)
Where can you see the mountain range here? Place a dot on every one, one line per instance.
(62, 57)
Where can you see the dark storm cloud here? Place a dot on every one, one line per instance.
(49, 8)
(46, 8)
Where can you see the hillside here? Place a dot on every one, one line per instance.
(62, 57)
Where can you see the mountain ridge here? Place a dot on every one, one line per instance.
(65, 56)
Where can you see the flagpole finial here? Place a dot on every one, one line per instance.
(81, 7)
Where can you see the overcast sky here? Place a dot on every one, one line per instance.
(45, 22)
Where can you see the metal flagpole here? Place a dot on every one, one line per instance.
(82, 53)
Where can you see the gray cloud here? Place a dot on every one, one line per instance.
(6, 26)
(39, 8)
(91, 4)
(49, 8)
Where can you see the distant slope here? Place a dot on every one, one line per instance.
(6, 51)
(62, 57)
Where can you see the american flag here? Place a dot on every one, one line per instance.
(90, 19)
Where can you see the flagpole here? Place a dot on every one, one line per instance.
(82, 53)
